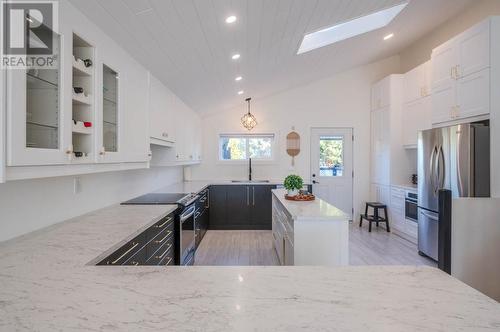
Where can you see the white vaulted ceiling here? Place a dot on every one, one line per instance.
(188, 45)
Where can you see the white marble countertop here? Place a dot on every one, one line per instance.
(317, 210)
(46, 285)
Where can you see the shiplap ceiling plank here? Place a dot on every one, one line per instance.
(188, 45)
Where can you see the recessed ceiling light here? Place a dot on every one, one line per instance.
(240, 92)
(389, 36)
(235, 56)
(350, 28)
(230, 19)
(239, 78)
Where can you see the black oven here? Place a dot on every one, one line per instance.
(186, 235)
(411, 210)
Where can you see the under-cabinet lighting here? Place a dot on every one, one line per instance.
(350, 28)
(231, 19)
(389, 36)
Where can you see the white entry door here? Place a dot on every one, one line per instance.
(331, 166)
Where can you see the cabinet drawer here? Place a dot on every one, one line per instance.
(166, 236)
(125, 252)
(164, 255)
(139, 258)
(411, 228)
(166, 223)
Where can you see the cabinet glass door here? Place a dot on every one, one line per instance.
(42, 108)
(35, 117)
(110, 109)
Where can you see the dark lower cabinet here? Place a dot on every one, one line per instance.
(261, 212)
(154, 246)
(237, 206)
(241, 206)
(218, 207)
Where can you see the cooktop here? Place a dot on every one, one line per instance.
(161, 199)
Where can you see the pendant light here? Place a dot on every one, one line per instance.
(248, 120)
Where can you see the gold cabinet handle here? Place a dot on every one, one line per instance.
(451, 72)
(166, 221)
(125, 253)
(161, 256)
(160, 241)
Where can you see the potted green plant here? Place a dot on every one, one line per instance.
(293, 183)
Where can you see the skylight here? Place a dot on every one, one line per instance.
(349, 29)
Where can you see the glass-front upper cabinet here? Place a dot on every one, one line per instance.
(110, 115)
(34, 107)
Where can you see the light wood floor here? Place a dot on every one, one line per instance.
(255, 248)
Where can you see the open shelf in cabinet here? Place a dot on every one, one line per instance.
(83, 105)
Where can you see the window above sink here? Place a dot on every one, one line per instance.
(241, 147)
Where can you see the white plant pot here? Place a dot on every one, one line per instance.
(293, 192)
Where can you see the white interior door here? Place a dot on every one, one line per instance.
(331, 166)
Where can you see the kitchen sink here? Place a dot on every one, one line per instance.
(250, 181)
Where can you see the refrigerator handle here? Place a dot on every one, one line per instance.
(432, 167)
(460, 183)
(441, 168)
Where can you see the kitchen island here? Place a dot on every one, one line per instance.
(49, 283)
(309, 233)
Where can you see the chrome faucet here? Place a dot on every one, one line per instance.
(249, 169)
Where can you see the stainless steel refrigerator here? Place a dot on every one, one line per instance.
(455, 158)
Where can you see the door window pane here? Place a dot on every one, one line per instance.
(42, 105)
(110, 109)
(233, 148)
(331, 156)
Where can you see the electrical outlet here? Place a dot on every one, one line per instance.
(77, 186)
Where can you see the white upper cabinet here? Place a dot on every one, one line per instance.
(416, 110)
(381, 94)
(36, 133)
(188, 147)
(104, 120)
(381, 146)
(444, 60)
(473, 94)
(416, 116)
(443, 103)
(162, 109)
(473, 50)
(416, 83)
(460, 75)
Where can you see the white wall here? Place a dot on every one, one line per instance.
(339, 101)
(420, 51)
(33, 204)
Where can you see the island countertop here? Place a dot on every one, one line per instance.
(47, 285)
(316, 210)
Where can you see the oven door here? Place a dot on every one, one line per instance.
(411, 210)
(187, 234)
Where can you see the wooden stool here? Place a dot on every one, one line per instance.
(376, 218)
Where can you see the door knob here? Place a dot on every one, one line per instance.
(314, 175)
(315, 182)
